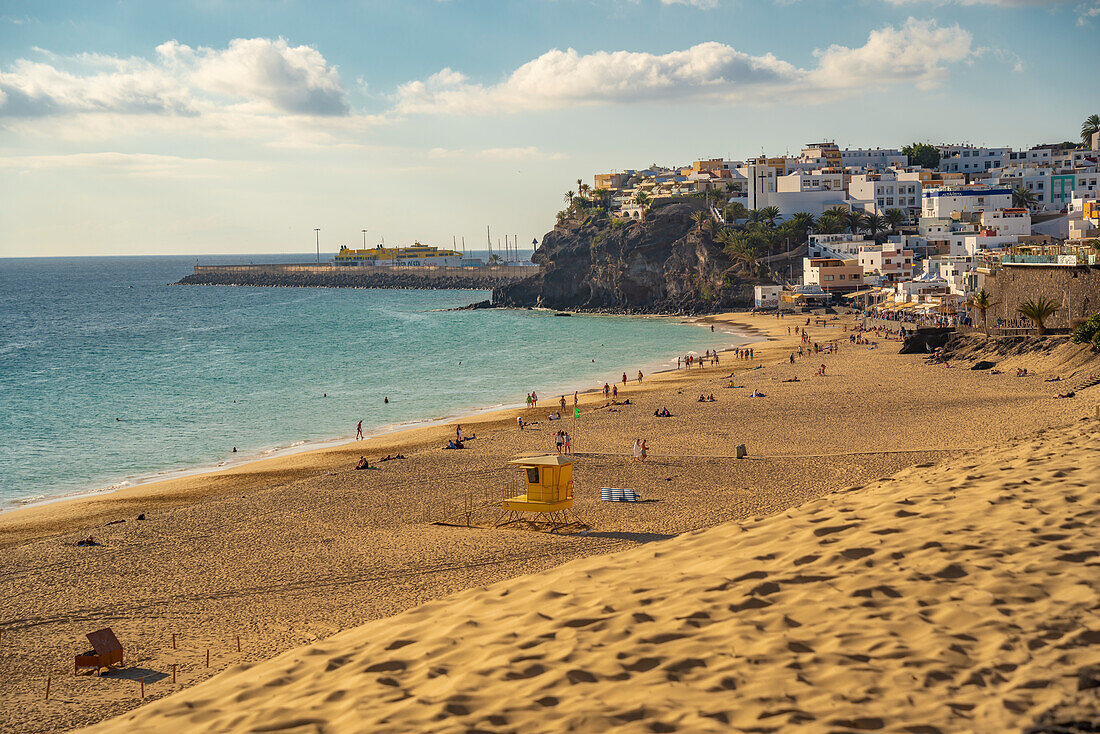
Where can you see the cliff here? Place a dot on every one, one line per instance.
(665, 264)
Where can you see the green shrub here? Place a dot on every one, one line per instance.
(1087, 332)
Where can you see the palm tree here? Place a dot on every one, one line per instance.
(699, 218)
(736, 210)
(769, 214)
(1038, 311)
(982, 302)
(755, 216)
(854, 221)
(1089, 127)
(828, 224)
(840, 212)
(601, 196)
(569, 196)
(894, 218)
(1024, 198)
(642, 200)
(874, 224)
(580, 185)
(583, 188)
(802, 222)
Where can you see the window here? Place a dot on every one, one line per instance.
(532, 475)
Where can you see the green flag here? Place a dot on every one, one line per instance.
(576, 412)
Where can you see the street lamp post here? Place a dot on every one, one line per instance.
(317, 231)
(364, 239)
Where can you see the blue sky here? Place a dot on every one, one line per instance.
(202, 127)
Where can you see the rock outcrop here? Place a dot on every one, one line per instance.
(665, 264)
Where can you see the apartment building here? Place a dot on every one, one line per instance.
(832, 275)
(941, 202)
(887, 190)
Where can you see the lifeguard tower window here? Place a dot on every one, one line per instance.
(533, 474)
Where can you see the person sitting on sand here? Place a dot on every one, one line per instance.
(1021, 372)
(792, 379)
(453, 445)
(554, 416)
(520, 423)
(701, 399)
(1070, 394)
(363, 463)
(89, 541)
(757, 394)
(1053, 379)
(710, 398)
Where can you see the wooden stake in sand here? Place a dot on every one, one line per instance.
(143, 686)
(208, 657)
(173, 672)
(48, 681)
(173, 640)
(238, 643)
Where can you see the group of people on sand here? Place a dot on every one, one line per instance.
(662, 413)
(532, 400)
(641, 450)
(563, 442)
(706, 398)
(364, 463)
(611, 390)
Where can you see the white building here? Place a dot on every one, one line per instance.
(969, 159)
(810, 181)
(873, 159)
(767, 296)
(942, 202)
(843, 246)
(1004, 222)
(888, 260)
(879, 192)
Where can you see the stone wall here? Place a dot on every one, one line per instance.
(1075, 288)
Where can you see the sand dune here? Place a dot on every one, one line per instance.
(949, 598)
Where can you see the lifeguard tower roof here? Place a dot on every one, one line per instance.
(545, 460)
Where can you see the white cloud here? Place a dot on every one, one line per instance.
(918, 53)
(253, 76)
(915, 53)
(129, 164)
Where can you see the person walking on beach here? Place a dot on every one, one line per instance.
(559, 441)
(359, 431)
(644, 451)
(534, 399)
(637, 449)
(562, 402)
(575, 398)
(624, 379)
(568, 442)
(639, 377)
(606, 390)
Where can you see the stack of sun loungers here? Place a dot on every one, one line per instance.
(617, 494)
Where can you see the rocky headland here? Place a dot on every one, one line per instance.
(666, 263)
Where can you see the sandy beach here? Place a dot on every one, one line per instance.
(291, 551)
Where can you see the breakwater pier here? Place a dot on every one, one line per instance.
(328, 275)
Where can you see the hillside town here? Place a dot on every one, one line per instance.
(928, 234)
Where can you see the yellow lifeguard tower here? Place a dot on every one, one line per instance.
(544, 485)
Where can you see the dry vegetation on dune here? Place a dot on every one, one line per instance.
(961, 597)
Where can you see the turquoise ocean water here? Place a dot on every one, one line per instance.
(190, 372)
